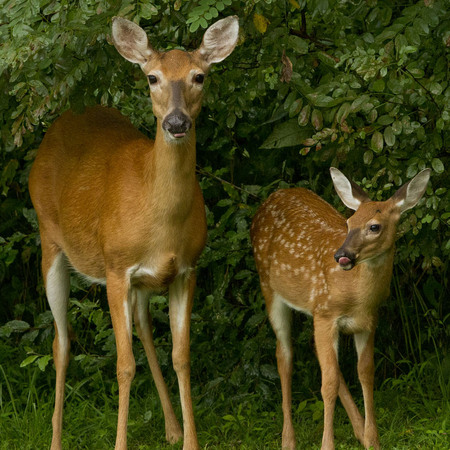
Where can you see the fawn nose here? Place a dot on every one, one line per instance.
(345, 259)
(177, 124)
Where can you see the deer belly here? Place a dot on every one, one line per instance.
(356, 323)
(89, 264)
(277, 297)
(154, 277)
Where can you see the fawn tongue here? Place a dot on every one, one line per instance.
(343, 261)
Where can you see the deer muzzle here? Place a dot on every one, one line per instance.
(346, 256)
(177, 124)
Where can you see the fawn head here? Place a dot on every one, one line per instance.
(372, 228)
(175, 77)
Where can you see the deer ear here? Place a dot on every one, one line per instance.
(350, 193)
(219, 40)
(411, 192)
(131, 41)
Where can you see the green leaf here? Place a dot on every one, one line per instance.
(378, 85)
(302, 406)
(225, 202)
(411, 171)
(412, 37)
(299, 45)
(229, 418)
(21, 30)
(29, 360)
(397, 127)
(231, 120)
(295, 107)
(18, 325)
(194, 26)
(148, 10)
(385, 120)
(372, 116)
(386, 34)
(303, 117)
(389, 136)
(395, 86)
(39, 87)
(287, 134)
(243, 274)
(8, 174)
(343, 112)
(323, 101)
(316, 119)
(298, 81)
(437, 165)
(255, 320)
(436, 88)
(269, 371)
(359, 102)
(376, 142)
(420, 26)
(368, 157)
(417, 72)
(43, 362)
(327, 59)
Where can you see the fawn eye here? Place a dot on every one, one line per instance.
(374, 228)
(152, 79)
(199, 78)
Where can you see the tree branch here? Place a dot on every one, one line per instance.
(203, 172)
(303, 33)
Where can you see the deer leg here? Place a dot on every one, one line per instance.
(117, 287)
(57, 285)
(280, 317)
(326, 339)
(143, 322)
(366, 371)
(181, 293)
(352, 410)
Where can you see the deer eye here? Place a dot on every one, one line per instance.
(199, 78)
(152, 79)
(375, 228)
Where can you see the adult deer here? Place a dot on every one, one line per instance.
(128, 212)
(297, 240)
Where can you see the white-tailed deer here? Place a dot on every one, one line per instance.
(128, 212)
(309, 258)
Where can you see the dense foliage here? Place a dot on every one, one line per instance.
(360, 85)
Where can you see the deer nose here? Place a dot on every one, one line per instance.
(345, 259)
(177, 124)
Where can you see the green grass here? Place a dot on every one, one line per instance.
(406, 418)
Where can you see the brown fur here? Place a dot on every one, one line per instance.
(108, 199)
(295, 235)
(122, 209)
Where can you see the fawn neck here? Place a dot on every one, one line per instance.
(374, 277)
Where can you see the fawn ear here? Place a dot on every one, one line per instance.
(131, 41)
(219, 40)
(411, 192)
(350, 193)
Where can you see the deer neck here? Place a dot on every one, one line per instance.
(171, 172)
(375, 277)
